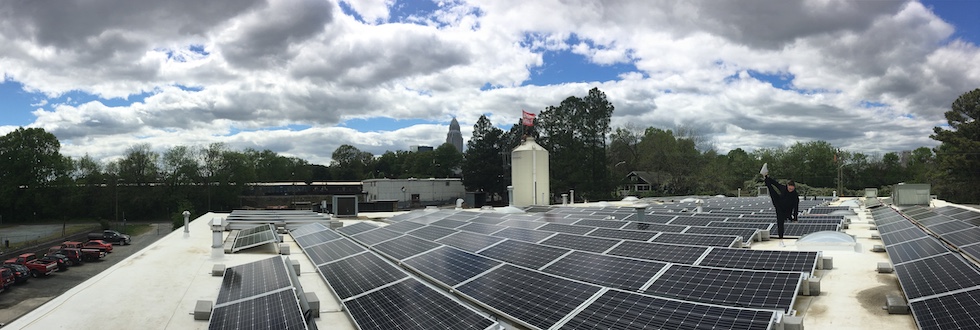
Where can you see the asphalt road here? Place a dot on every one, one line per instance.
(23, 298)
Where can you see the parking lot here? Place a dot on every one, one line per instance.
(21, 299)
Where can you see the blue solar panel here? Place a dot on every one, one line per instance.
(609, 271)
(524, 254)
(357, 274)
(623, 310)
(409, 304)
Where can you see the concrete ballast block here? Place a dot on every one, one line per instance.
(878, 248)
(295, 264)
(334, 224)
(884, 267)
(202, 310)
(284, 249)
(813, 286)
(314, 302)
(895, 304)
(792, 322)
(828, 263)
(218, 270)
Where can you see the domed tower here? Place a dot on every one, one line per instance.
(455, 137)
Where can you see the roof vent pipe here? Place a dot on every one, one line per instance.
(641, 212)
(510, 195)
(187, 215)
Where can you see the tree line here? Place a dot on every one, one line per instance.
(587, 155)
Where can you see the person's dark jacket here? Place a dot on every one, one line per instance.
(788, 204)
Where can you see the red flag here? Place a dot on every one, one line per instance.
(528, 118)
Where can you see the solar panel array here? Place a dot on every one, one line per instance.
(257, 295)
(255, 236)
(560, 269)
(940, 284)
(376, 293)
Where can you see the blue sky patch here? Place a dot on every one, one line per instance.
(781, 80)
(385, 124)
(566, 67)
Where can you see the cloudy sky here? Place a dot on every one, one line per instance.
(301, 77)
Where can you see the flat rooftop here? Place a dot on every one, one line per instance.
(158, 287)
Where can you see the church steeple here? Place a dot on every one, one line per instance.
(455, 137)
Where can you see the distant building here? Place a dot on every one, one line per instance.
(455, 137)
(420, 148)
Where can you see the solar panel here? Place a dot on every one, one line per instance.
(915, 249)
(600, 223)
(469, 241)
(405, 246)
(316, 238)
(797, 229)
(307, 229)
(616, 309)
(333, 250)
(904, 235)
(480, 228)
(521, 224)
(919, 278)
(962, 237)
(449, 223)
(356, 228)
(623, 234)
(404, 227)
(582, 243)
(538, 300)
(488, 220)
(728, 287)
(359, 273)
(274, 311)
(520, 234)
(933, 220)
(895, 226)
(605, 270)
(797, 261)
(697, 239)
(656, 218)
(684, 254)
(525, 254)
(949, 226)
(254, 236)
(253, 279)
(372, 237)
(410, 304)
(747, 234)
(451, 266)
(954, 311)
(972, 251)
(657, 227)
(563, 228)
(432, 233)
(694, 221)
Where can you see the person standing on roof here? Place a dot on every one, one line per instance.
(784, 199)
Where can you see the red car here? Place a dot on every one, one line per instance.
(7, 278)
(97, 243)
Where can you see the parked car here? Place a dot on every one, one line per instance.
(38, 267)
(60, 259)
(75, 256)
(97, 243)
(7, 278)
(21, 273)
(88, 253)
(110, 236)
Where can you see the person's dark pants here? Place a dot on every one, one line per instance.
(780, 224)
(780, 218)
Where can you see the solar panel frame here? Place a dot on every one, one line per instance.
(468, 241)
(410, 304)
(952, 311)
(356, 228)
(450, 266)
(634, 235)
(684, 254)
(900, 236)
(655, 227)
(606, 270)
(600, 223)
(949, 227)
(521, 234)
(405, 246)
(251, 279)
(620, 310)
(453, 224)
(315, 238)
(281, 311)
(307, 229)
(372, 237)
(524, 254)
(918, 278)
(531, 298)
(728, 287)
(796, 261)
(432, 233)
(333, 250)
(480, 228)
(404, 226)
(697, 239)
(359, 273)
(565, 228)
(915, 249)
(581, 243)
